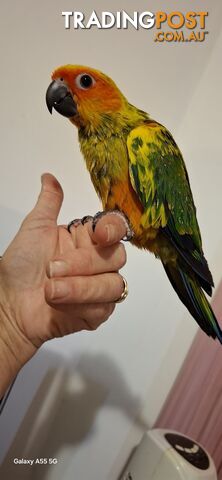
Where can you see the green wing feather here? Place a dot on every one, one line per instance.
(159, 177)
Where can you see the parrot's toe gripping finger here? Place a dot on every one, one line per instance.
(86, 218)
(79, 221)
(129, 232)
(76, 222)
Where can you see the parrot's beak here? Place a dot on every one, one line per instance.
(59, 97)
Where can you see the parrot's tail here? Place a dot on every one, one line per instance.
(193, 297)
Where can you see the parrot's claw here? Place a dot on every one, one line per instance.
(86, 218)
(129, 232)
(79, 221)
(76, 222)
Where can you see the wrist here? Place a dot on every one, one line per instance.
(15, 348)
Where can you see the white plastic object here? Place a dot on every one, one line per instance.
(169, 455)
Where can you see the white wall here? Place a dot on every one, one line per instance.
(114, 381)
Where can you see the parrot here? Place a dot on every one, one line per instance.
(138, 171)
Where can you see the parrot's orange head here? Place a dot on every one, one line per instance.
(83, 94)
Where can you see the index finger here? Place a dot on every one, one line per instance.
(110, 229)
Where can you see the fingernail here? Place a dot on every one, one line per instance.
(111, 233)
(60, 289)
(58, 268)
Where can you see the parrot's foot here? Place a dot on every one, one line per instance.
(79, 221)
(129, 232)
(86, 218)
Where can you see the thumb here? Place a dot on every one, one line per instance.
(50, 198)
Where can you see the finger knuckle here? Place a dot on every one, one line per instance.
(122, 255)
(113, 286)
(101, 313)
(98, 314)
(82, 262)
(110, 310)
(87, 261)
(104, 312)
(83, 289)
(77, 289)
(91, 325)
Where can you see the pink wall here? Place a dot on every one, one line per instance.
(194, 405)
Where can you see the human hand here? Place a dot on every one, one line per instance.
(34, 306)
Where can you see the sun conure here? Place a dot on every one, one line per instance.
(137, 168)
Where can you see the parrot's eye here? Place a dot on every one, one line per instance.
(84, 81)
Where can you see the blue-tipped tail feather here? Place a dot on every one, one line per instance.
(191, 294)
